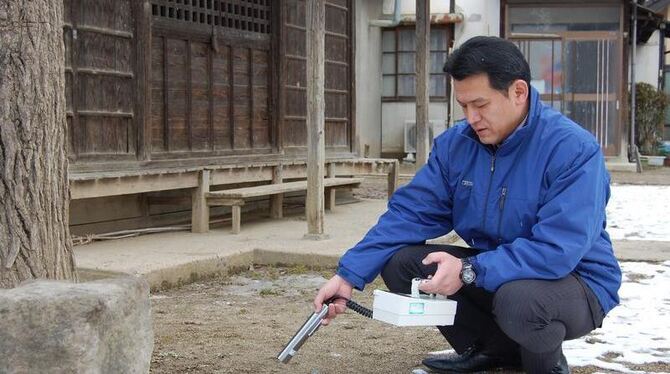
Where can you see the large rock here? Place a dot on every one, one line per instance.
(58, 327)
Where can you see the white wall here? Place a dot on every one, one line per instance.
(646, 61)
(482, 17)
(368, 78)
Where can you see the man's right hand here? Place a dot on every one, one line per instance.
(336, 286)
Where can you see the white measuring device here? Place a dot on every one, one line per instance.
(413, 310)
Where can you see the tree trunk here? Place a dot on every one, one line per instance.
(34, 196)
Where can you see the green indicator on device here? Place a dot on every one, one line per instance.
(416, 308)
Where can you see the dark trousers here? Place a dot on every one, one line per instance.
(527, 317)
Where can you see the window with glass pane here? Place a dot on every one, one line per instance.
(399, 63)
(544, 57)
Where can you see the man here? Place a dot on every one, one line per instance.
(526, 188)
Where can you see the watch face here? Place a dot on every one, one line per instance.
(468, 276)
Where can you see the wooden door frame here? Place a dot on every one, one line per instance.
(505, 32)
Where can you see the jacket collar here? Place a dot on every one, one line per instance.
(519, 135)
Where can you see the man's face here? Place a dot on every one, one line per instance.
(491, 114)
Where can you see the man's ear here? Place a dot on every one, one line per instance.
(519, 91)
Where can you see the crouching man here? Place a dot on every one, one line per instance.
(526, 188)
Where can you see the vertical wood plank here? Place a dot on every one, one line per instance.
(277, 200)
(189, 95)
(76, 134)
(210, 93)
(166, 97)
(354, 144)
(143, 82)
(199, 207)
(276, 71)
(231, 96)
(251, 98)
(422, 71)
(315, 116)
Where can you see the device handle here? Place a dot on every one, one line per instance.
(415, 290)
(308, 329)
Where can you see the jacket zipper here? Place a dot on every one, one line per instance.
(488, 191)
(501, 205)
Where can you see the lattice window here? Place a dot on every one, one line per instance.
(246, 15)
(398, 60)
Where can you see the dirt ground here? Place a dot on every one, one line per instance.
(239, 323)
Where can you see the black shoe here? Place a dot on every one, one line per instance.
(472, 360)
(561, 367)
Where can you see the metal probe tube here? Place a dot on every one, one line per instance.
(308, 329)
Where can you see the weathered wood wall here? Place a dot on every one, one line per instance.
(100, 65)
(210, 79)
(339, 75)
(157, 81)
(168, 84)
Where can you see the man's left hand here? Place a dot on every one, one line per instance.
(447, 279)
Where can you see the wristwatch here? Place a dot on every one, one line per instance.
(468, 274)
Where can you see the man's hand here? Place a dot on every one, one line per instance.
(336, 286)
(447, 278)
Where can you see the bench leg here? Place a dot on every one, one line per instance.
(330, 192)
(277, 206)
(237, 217)
(199, 207)
(330, 198)
(277, 201)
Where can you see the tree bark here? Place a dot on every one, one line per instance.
(34, 197)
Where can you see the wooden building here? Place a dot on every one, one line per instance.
(160, 90)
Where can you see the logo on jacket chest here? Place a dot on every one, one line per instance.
(467, 183)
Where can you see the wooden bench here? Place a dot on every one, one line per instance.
(198, 180)
(235, 197)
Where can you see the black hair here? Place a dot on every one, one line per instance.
(500, 59)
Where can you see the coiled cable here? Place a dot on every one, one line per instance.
(365, 312)
(356, 307)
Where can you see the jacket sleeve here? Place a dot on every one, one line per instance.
(570, 219)
(419, 211)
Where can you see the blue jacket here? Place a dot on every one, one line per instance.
(535, 207)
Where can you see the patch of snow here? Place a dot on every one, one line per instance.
(419, 371)
(639, 213)
(638, 330)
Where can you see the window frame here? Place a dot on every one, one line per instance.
(396, 52)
